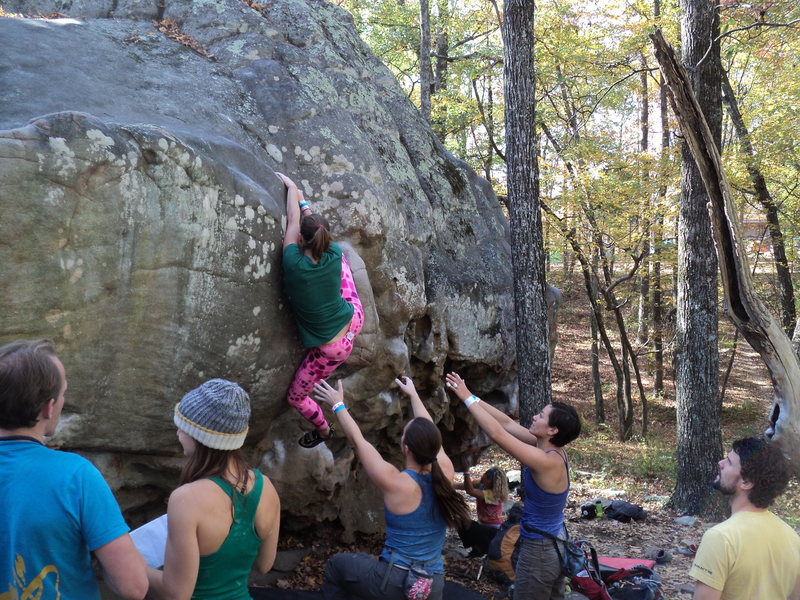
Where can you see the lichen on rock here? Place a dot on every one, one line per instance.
(142, 227)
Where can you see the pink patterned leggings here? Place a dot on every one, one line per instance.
(322, 360)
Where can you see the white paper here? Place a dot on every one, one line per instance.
(151, 541)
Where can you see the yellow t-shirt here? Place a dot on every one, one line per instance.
(750, 556)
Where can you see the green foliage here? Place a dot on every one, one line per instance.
(600, 455)
(596, 178)
(655, 462)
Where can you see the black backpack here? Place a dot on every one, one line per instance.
(636, 583)
(504, 548)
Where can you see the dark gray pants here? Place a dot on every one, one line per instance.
(360, 577)
(538, 572)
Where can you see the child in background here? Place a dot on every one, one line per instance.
(490, 494)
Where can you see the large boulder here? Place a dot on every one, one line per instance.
(141, 226)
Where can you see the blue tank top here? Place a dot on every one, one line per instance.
(417, 537)
(543, 510)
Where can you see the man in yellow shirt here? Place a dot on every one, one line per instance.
(753, 554)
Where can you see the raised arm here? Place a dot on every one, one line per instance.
(296, 207)
(383, 474)
(418, 409)
(527, 453)
(471, 489)
(459, 387)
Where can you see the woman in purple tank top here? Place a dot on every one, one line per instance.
(540, 449)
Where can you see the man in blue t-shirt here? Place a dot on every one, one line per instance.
(56, 508)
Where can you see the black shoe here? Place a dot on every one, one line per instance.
(313, 438)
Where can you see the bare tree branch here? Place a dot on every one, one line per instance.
(483, 117)
(790, 25)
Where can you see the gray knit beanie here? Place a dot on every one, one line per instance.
(215, 414)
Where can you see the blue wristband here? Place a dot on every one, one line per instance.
(471, 400)
(339, 406)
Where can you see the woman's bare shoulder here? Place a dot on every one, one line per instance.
(202, 492)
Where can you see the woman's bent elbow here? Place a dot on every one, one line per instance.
(135, 589)
(263, 566)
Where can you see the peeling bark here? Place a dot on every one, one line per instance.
(782, 272)
(751, 317)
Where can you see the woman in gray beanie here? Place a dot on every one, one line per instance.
(224, 518)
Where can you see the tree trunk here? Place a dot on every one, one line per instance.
(696, 347)
(597, 383)
(527, 248)
(642, 332)
(783, 274)
(658, 239)
(625, 415)
(425, 74)
(442, 44)
(723, 388)
(742, 304)
(591, 281)
(643, 329)
(489, 124)
(658, 310)
(796, 339)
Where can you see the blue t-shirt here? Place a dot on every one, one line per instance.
(55, 507)
(418, 536)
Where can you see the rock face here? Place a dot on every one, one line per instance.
(141, 226)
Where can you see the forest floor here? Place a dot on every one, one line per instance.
(640, 471)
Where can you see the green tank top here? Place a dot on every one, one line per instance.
(314, 292)
(223, 574)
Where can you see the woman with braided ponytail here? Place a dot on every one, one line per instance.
(326, 307)
(420, 502)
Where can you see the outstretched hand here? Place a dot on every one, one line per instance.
(457, 385)
(286, 180)
(406, 384)
(323, 392)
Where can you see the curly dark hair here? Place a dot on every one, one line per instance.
(764, 465)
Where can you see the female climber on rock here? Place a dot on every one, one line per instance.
(224, 518)
(320, 288)
(545, 478)
(419, 503)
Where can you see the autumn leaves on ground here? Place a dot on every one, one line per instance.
(640, 471)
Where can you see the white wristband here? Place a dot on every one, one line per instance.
(471, 400)
(337, 407)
